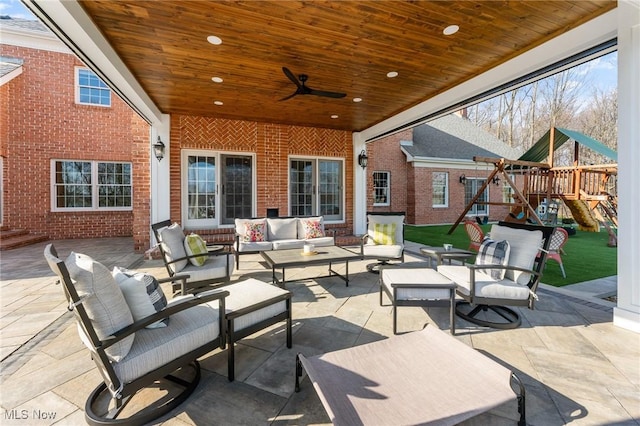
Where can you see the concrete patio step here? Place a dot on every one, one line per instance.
(14, 238)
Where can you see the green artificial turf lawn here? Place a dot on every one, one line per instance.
(587, 255)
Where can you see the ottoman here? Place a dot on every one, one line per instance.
(408, 285)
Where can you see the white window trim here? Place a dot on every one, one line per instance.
(316, 158)
(77, 89)
(94, 187)
(446, 191)
(388, 203)
(184, 202)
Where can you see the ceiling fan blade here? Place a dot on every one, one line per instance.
(290, 96)
(291, 76)
(326, 94)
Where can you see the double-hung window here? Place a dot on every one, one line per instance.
(381, 188)
(90, 90)
(316, 187)
(440, 189)
(91, 185)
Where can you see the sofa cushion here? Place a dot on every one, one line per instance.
(193, 245)
(322, 241)
(282, 228)
(493, 253)
(311, 227)
(103, 300)
(524, 244)
(172, 240)
(241, 228)
(254, 246)
(142, 293)
(288, 244)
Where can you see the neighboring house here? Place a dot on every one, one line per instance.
(75, 158)
(429, 173)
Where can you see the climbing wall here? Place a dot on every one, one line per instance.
(582, 215)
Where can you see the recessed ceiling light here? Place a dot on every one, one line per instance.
(218, 102)
(334, 116)
(450, 30)
(217, 79)
(214, 40)
(357, 99)
(392, 74)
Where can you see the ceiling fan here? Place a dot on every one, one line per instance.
(306, 90)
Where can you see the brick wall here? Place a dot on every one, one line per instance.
(412, 189)
(41, 122)
(272, 145)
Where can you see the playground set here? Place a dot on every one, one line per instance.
(589, 192)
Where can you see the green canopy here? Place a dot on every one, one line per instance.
(540, 150)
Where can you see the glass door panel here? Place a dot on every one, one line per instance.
(237, 188)
(302, 188)
(201, 187)
(330, 191)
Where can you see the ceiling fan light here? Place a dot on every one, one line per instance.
(450, 30)
(214, 40)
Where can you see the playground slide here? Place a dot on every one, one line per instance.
(582, 215)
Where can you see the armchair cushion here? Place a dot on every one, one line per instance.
(214, 267)
(188, 330)
(103, 300)
(172, 240)
(493, 253)
(372, 220)
(485, 285)
(193, 245)
(142, 293)
(525, 245)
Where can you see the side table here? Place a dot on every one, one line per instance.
(439, 254)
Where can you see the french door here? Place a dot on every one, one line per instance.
(471, 187)
(217, 188)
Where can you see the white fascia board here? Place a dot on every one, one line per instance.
(10, 76)
(592, 33)
(449, 163)
(72, 21)
(33, 40)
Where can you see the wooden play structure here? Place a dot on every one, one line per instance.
(588, 191)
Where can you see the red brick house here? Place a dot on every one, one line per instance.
(429, 173)
(75, 158)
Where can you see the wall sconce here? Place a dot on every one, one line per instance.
(496, 180)
(158, 149)
(463, 179)
(363, 159)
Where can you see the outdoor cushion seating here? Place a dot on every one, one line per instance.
(129, 356)
(422, 378)
(414, 284)
(384, 240)
(279, 233)
(484, 291)
(202, 267)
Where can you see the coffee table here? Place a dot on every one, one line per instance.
(440, 254)
(291, 258)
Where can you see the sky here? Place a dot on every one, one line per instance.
(601, 72)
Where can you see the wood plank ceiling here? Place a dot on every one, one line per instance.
(343, 46)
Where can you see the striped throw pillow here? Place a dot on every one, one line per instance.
(384, 234)
(194, 244)
(493, 253)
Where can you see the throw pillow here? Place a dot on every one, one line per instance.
(254, 231)
(194, 244)
(493, 253)
(142, 293)
(312, 228)
(384, 233)
(103, 300)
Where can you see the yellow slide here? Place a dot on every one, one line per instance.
(582, 215)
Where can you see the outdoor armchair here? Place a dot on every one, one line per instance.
(504, 275)
(475, 233)
(132, 351)
(384, 240)
(203, 268)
